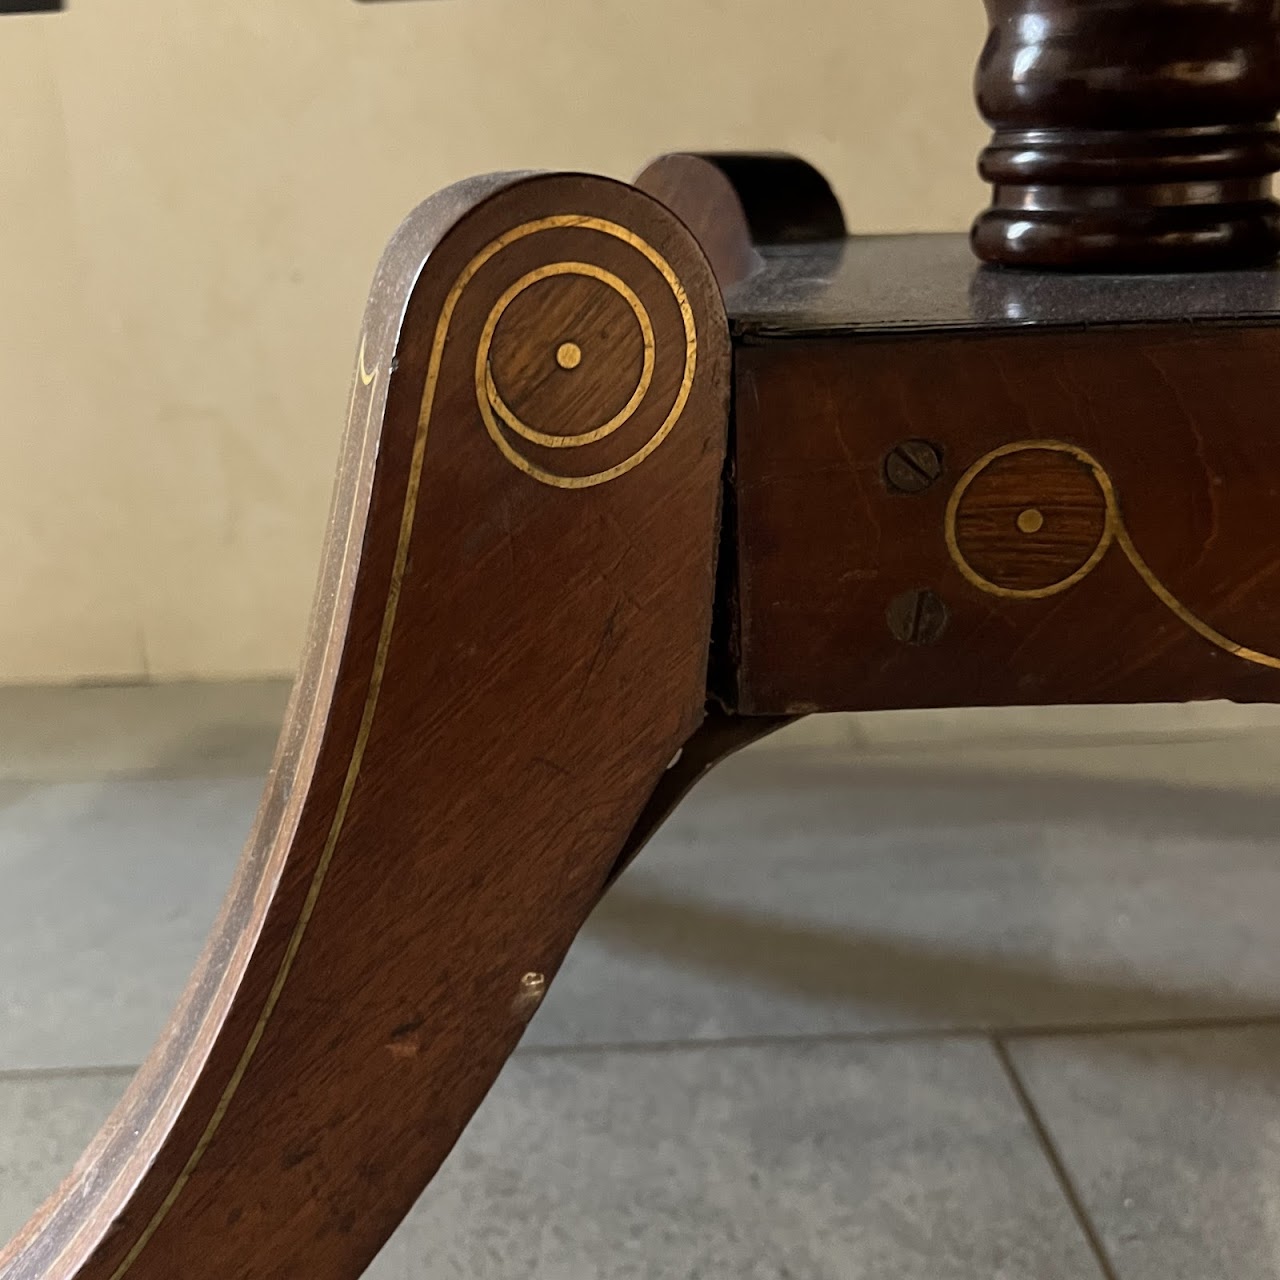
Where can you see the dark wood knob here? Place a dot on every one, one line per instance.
(1130, 134)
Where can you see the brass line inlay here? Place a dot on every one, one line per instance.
(1113, 531)
(366, 378)
(409, 511)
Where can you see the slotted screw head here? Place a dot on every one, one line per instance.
(912, 466)
(918, 617)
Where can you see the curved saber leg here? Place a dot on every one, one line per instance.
(509, 647)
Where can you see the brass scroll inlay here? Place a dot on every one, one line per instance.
(1110, 529)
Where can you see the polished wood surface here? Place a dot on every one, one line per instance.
(956, 485)
(871, 286)
(1098, 527)
(508, 651)
(1130, 136)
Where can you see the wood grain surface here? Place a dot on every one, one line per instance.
(508, 649)
(1100, 526)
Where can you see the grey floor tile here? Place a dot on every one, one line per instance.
(803, 1162)
(793, 894)
(796, 894)
(45, 1123)
(106, 892)
(1173, 1141)
(798, 1162)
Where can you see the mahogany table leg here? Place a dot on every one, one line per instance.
(509, 648)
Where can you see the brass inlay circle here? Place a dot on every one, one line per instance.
(984, 583)
(496, 412)
(1031, 521)
(624, 415)
(569, 355)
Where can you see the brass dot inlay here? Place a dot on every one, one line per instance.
(1031, 521)
(569, 355)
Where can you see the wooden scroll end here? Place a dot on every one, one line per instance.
(736, 202)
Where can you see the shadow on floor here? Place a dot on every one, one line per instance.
(935, 985)
(931, 795)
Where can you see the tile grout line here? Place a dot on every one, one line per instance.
(1152, 1026)
(19, 1075)
(901, 1035)
(907, 1035)
(1066, 1184)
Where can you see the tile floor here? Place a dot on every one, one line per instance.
(903, 997)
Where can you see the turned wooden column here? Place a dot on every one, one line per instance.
(1133, 135)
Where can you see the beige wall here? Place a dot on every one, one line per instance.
(195, 193)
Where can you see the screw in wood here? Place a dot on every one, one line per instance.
(533, 986)
(912, 466)
(918, 617)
